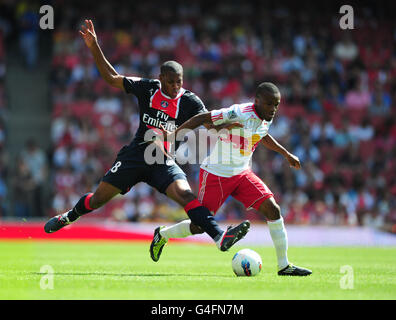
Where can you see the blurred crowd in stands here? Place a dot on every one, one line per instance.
(337, 112)
(21, 181)
(4, 27)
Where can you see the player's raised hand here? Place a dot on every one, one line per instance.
(88, 33)
(293, 161)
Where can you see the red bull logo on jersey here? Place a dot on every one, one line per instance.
(246, 146)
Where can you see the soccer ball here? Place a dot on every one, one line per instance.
(246, 262)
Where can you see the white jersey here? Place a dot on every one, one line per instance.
(234, 148)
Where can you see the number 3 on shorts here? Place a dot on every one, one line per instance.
(115, 167)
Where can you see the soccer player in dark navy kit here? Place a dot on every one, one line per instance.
(163, 103)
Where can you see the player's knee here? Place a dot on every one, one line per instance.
(270, 209)
(195, 229)
(274, 212)
(185, 195)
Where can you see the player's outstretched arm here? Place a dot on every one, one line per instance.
(274, 145)
(192, 123)
(228, 126)
(108, 73)
(198, 120)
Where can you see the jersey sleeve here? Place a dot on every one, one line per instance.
(197, 105)
(137, 86)
(226, 115)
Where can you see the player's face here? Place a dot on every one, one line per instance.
(171, 83)
(268, 105)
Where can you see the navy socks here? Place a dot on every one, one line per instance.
(201, 216)
(82, 207)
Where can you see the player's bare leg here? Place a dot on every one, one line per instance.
(271, 210)
(87, 203)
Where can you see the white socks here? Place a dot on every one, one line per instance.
(182, 230)
(276, 228)
(218, 241)
(279, 238)
(178, 230)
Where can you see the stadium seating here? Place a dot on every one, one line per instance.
(224, 60)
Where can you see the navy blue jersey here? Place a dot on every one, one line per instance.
(157, 109)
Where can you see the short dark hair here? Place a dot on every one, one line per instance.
(171, 66)
(267, 88)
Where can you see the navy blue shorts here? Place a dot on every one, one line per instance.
(129, 168)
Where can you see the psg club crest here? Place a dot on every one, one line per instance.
(164, 104)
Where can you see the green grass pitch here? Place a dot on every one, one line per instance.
(124, 270)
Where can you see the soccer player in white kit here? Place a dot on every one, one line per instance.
(226, 171)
